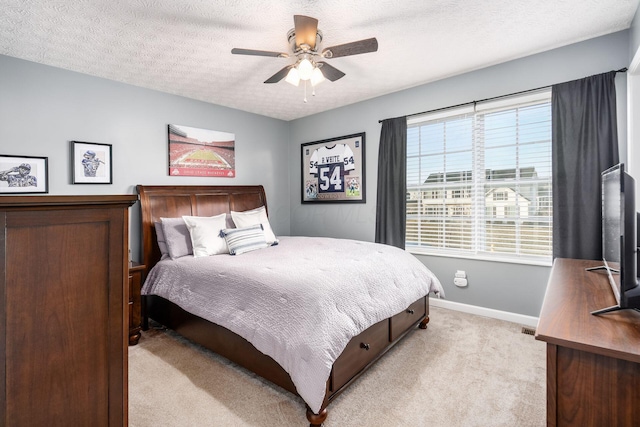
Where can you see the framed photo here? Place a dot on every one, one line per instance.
(201, 152)
(23, 174)
(333, 170)
(91, 163)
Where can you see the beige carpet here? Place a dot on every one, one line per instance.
(464, 370)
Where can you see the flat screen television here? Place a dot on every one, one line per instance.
(619, 238)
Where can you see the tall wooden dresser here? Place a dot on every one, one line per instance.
(64, 310)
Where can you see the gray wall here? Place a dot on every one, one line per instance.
(42, 108)
(510, 287)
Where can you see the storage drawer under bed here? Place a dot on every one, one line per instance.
(402, 321)
(361, 350)
(365, 347)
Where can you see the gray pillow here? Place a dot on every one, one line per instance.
(177, 237)
(229, 222)
(162, 244)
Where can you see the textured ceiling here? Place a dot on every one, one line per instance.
(184, 47)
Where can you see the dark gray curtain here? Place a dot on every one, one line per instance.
(392, 183)
(585, 143)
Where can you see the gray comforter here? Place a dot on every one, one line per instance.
(299, 302)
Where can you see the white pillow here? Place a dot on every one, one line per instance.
(205, 234)
(255, 217)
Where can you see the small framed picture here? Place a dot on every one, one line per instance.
(23, 174)
(91, 163)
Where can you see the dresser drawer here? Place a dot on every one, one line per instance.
(361, 350)
(403, 321)
(135, 282)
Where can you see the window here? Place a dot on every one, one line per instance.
(490, 166)
(499, 195)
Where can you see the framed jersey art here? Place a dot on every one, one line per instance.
(333, 170)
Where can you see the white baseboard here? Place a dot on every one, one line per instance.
(486, 312)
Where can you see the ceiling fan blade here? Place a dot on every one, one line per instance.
(259, 53)
(279, 75)
(329, 72)
(353, 48)
(306, 29)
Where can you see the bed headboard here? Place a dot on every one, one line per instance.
(174, 201)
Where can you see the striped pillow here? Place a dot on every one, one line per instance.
(241, 240)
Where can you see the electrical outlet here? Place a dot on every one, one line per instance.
(461, 274)
(460, 282)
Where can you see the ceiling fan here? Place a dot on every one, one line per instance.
(305, 39)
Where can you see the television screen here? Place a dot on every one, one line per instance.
(619, 251)
(612, 225)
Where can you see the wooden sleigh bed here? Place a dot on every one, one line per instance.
(360, 353)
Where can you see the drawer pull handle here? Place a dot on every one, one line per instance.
(365, 346)
(410, 311)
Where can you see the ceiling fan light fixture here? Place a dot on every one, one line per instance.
(316, 76)
(305, 69)
(293, 76)
(304, 45)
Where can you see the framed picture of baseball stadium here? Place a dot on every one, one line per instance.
(201, 152)
(333, 170)
(23, 174)
(91, 163)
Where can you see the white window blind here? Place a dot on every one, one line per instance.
(479, 180)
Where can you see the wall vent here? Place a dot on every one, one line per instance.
(528, 331)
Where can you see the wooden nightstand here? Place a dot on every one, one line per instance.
(136, 272)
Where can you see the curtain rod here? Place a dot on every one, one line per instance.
(621, 70)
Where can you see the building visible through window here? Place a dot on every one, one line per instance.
(479, 181)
